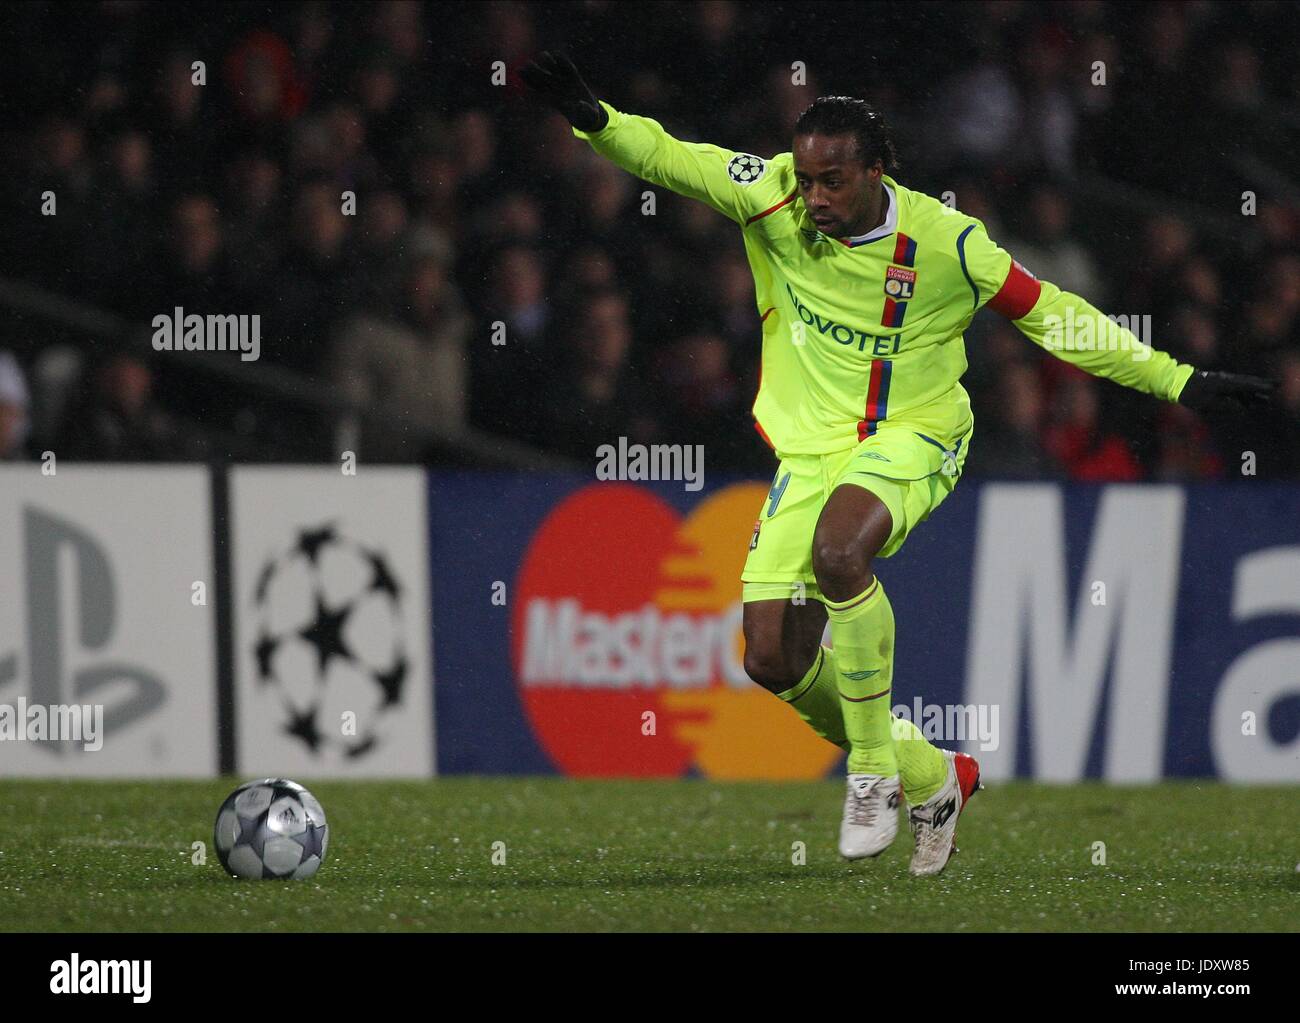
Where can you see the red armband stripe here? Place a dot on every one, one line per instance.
(1018, 294)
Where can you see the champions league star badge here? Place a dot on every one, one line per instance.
(746, 169)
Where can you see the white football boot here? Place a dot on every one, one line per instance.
(934, 822)
(870, 815)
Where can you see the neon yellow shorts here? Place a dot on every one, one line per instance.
(910, 471)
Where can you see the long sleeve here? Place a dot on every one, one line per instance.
(739, 185)
(1075, 331)
(1066, 325)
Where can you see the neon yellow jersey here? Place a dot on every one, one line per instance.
(859, 336)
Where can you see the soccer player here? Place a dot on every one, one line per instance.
(864, 288)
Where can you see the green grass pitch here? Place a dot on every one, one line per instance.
(653, 856)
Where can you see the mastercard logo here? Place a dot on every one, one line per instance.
(627, 645)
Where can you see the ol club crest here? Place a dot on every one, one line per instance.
(899, 283)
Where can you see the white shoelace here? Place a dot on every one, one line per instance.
(864, 809)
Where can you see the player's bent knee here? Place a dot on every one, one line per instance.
(837, 564)
(770, 672)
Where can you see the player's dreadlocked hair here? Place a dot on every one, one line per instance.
(844, 115)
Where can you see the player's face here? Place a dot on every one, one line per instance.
(836, 188)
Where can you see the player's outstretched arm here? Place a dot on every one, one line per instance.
(736, 184)
(1075, 331)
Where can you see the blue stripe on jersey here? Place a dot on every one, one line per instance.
(961, 254)
(900, 310)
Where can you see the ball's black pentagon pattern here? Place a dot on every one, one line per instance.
(745, 168)
(271, 829)
(312, 664)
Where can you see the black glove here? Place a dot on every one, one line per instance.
(559, 83)
(1206, 391)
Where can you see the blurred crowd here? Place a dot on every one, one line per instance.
(494, 273)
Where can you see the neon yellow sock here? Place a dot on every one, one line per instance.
(816, 699)
(862, 629)
(921, 765)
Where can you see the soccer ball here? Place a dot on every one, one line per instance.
(273, 828)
